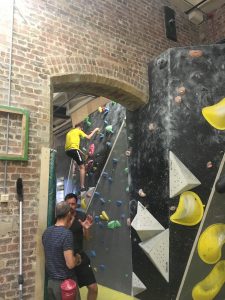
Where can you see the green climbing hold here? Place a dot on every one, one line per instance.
(126, 170)
(114, 224)
(109, 128)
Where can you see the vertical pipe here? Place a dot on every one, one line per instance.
(9, 92)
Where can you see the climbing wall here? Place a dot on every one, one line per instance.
(112, 116)
(175, 149)
(110, 245)
(204, 276)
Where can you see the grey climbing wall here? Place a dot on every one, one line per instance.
(103, 142)
(182, 81)
(110, 245)
(197, 269)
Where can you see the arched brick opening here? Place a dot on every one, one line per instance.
(99, 77)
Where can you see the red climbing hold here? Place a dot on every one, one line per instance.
(91, 150)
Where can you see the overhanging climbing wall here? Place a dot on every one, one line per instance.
(174, 148)
(110, 245)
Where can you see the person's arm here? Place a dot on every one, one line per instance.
(86, 224)
(71, 260)
(89, 136)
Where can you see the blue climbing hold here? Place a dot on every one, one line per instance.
(102, 200)
(96, 194)
(92, 253)
(104, 174)
(102, 267)
(114, 161)
(119, 202)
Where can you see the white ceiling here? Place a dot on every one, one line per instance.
(199, 13)
(206, 7)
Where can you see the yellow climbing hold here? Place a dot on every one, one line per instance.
(83, 203)
(210, 243)
(104, 216)
(215, 114)
(189, 211)
(209, 287)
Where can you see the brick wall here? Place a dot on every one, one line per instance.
(213, 30)
(101, 36)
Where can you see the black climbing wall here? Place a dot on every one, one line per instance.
(181, 84)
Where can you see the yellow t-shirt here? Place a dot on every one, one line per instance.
(73, 139)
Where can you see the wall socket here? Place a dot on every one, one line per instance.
(4, 198)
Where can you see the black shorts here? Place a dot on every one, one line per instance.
(84, 272)
(75, 155)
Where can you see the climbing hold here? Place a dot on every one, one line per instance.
(128, 222)
(141, 193)
(189, 211)
(114, 224)
(220, 185)
(96, 194)
(209, 165)
(102, 200)
(101, 136)
(84, 149)
(181, 90)
(106, 111)
(128, 153)
(108, 144)
(109, 129)
(113, 103)
(100, 109)
(211, 242)
(215, 114)
(178, 99)
(195, 53)
(97, 219)
(129, 138)
(91, 150)
(114, 161)
(122, 216)
(104, 216)
(83, 204)
(152, 126)
(110, 179)
(102, 267)
(161, 63)
(126, 170)
(127, 189)
(119, 202)
(92, 253)
(87, 121)
(104, 174)
(210, 286)
(105, 122)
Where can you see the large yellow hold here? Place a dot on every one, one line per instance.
(189, 211)
(209, 287)
(215, 114)
(210, 243)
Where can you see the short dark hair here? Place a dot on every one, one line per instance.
(62, 209)
(71, 195)
(79, 125)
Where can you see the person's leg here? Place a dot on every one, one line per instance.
(92, 291)
(82, 175)
(54, 290)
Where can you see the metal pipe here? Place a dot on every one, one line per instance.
(9, 93)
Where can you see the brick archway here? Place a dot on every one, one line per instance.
(99, 77)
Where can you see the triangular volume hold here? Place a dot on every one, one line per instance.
(181, 179)
(145, 224)
(137, 285)
(157, 250)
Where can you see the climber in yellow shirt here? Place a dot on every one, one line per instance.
(72, 148)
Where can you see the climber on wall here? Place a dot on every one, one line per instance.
(72, 148)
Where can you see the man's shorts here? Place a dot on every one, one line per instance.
(84, 272)
(75, 155)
